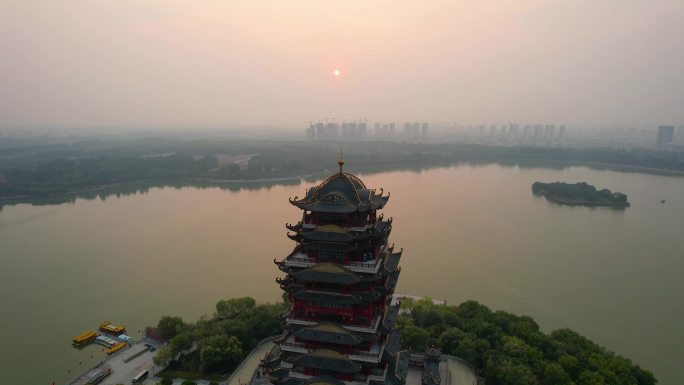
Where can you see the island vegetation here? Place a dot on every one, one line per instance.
(37, 170)
(503, 348)
(579, 194)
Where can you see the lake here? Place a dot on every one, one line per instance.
(137, 252)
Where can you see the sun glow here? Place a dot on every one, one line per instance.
(336, 72)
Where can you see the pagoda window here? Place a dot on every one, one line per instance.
(368, 255)
(326, 285)
(331, 304)
(329, 218)
(330, 256)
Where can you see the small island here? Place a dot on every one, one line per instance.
(579, 194)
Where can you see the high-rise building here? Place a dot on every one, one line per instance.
(665, 137)
(549, 132)
(514, 131)
(340, 329)
(527, 134)
(362, 129)
(311, 132)
(349, 130)
(538, 131)
(415, 131)
(679, 136)
(505, 133)
(407, 131)
(327, 131)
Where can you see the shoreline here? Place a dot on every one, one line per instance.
(625, 167)
(106, 186)
(17, 199)
(568, 202)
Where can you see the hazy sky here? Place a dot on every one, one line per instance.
(222, 62)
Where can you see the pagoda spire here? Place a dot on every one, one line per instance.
(340, 162)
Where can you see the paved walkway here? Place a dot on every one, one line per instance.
(460, 373)
(243, 373)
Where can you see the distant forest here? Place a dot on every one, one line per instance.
(42, 170)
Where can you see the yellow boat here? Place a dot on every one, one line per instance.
(111, 328)
(84, 338)
(116, 348)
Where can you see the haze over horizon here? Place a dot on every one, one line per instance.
(207, 63)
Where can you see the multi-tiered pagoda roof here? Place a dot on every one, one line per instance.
(341, 193)
(340, 329)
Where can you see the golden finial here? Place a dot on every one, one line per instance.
(340, 161)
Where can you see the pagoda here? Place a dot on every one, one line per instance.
(340, 277)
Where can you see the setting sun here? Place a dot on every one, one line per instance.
(336, 72)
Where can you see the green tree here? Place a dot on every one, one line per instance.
(555, 375)
(415, 338)
(163, 357)
(450, 340)
(508, 371)
(211, 359)
(570, 365)
(179, 344)
(472, 349)
(425, 314)
(169, 326)
(590, 378)
(219, 353)
(234, 307)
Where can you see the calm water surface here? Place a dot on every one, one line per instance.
(468, 232)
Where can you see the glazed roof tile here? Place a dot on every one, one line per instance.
(330, 333)
(328, 359)
(340, 193)
(328, 272)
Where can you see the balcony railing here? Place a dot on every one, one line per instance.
(351, 325)
(351, 352)
(365, 264)
(299, 257)
(375, 375)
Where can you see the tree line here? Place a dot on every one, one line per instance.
(38, 172)
(507, 349)
(216, 345)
